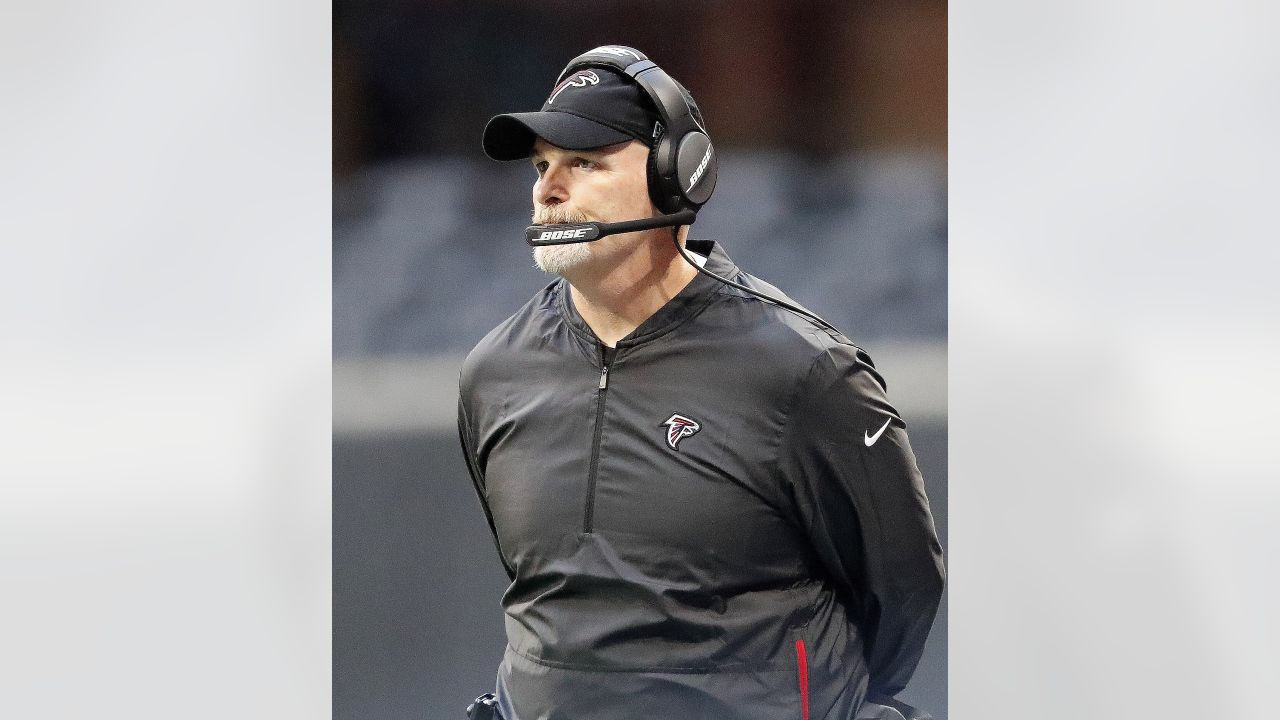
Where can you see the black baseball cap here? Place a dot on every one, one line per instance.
(592, 107)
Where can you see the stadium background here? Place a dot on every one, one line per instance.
(831, 122)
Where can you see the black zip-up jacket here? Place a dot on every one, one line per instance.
(725, 520)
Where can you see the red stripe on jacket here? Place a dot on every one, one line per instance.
(802, 663)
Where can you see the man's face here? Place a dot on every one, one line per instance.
(605, 185)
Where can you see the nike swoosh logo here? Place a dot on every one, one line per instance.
(871, 439)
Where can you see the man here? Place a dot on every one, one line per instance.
(705, 503)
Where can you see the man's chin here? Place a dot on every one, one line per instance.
(561, 259)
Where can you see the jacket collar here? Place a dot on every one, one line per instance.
(685, 305)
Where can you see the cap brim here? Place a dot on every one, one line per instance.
(511, 136)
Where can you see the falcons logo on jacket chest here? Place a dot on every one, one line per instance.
(678, 428)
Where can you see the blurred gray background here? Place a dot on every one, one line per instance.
(831, 122)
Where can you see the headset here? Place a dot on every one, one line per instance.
(682, 165)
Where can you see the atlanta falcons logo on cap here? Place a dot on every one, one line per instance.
(579, 79)
(679, 427)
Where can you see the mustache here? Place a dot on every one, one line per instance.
(555, 215)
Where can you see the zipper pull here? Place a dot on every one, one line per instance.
(604, 377)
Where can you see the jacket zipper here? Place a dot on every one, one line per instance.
(601, 390)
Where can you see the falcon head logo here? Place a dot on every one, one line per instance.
(582, 78)
(678, 427)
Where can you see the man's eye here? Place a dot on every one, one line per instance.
(584, 163)
(541, 167)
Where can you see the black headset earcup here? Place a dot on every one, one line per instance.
(690, 176)
(696, 169)
(663, 189)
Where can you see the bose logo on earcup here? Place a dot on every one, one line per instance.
(702, 167)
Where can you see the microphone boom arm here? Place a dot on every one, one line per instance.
(568, 233)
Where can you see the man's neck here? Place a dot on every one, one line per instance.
(616, 303)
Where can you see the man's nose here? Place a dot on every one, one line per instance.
(553, 187)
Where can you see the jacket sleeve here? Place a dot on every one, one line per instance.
(477, 480)
(860, 499)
